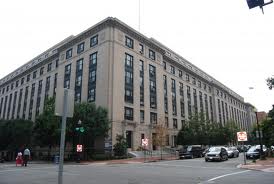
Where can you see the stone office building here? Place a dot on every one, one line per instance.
(140, 81)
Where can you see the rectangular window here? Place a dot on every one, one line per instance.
(93, 41)
(16, 84)
(34, 74)
(172, 70)
(175, 124)
(80, 47)
(153, 118)
(22, 81)
(67, 76)
(164, 64)
(129, 95)
(187, 77)
(193, 81)
(129, 61)
(129, 42)
(56, 63)
(49, 67)
(152, 71)
(142, 116)
(28, 77)
(166, 122)
(41, 70)
(11, 86)
(69, 53)
(141, 66)
(180, 74)
(93, 59)
(128, 114)
(141, 49)
(91, 94)
(151, 54)
(199, 84)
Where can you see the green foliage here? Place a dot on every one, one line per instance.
(14, 134)
(47, 126)
(200, 131)
(270, 82)
(120, 148)
(267, 127)
(94, 120)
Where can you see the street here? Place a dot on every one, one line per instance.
(189, 171)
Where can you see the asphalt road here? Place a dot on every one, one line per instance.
(195, 171)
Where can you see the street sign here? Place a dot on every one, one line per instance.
(79, 148)
(242, 136)
(59, 100)
(145, 142)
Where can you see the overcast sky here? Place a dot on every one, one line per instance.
(224, 38)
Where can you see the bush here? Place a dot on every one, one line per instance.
(120, 148)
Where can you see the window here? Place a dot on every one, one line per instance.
(128, 114)
(129, 61)
(80, 47)
(67, 69)
(56, 63)
(204, 86)
(164, 63)
(153, 118)
(129, 95)
(8, 87)
(129, 42)
(16, 84)
(180, 74)
(28, 78)
(91, 95)
(79, 65)
(166, 122)
(11, 86)
(142, 116)
(93, 59)
(172, 70)
(129, 77)
(152, 71)
(69, 53)
(22, 81)
(187, 77)
(175, 124)
(141, 49)
(141, 66)
(199, 84)
(151, 54)
(49, 67)
(93, 41)
(41, 70)
(34, 74)
(193, 81)
(92, 76)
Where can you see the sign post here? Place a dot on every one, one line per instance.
(145, 144)
(242, 137)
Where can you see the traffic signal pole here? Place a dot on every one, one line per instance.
(63, 135)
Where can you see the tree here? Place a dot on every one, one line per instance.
(120, 148)
(95, 124)
(267, 127)
(14, 134)
(159, 139)
(47, 127)
(270, 82)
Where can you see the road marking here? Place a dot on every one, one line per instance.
(218, 177)
(187, 166)
(25, 169)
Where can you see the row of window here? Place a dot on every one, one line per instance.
(129, 42)
(81, 46)
(25, 101)
(28, 77)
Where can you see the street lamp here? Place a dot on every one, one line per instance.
(260, 136)
(258, 129)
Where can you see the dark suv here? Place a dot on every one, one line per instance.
(191, 152)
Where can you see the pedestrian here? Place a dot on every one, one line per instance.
(19, 159)
(26, 157)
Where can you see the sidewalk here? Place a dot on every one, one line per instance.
(130, 160)
(261, 165)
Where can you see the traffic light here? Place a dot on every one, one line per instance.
(254, 3)
(80, 129)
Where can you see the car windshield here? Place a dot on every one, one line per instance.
(252, 149)
(189, 148)
(215, 149)
(230, 149)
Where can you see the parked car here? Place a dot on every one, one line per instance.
(191, 152)
(232, 152)
(216, 153)
(205, 151)
(254, 152)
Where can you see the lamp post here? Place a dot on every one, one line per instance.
(260, 136)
